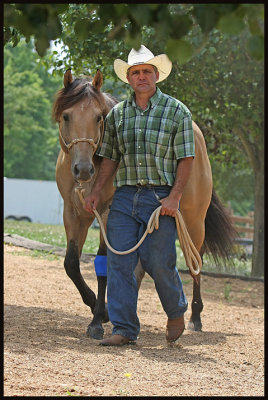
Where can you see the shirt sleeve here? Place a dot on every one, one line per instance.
(109, 147)
(184, 136)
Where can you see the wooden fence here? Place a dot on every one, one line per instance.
(245, 229)
(244, 225)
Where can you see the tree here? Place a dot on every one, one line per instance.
(125, 22)
(30, 139)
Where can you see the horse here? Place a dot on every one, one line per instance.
(80, 109)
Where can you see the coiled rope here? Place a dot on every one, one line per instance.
(191, 255)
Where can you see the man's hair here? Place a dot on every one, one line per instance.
(155, 69)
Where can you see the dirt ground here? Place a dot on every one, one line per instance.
(47, 353)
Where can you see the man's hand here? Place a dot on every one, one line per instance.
(106, 172)
(91, 202)
(170, 206)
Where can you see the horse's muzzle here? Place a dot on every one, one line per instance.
(83, 171)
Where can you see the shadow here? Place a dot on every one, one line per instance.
(32, 329)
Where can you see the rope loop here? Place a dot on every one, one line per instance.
(191, 255)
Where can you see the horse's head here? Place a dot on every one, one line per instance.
(80, 110)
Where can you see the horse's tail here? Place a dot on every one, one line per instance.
(219, 231)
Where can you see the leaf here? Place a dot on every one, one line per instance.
(206, 15)
(255, 47)
(179, 50)
(254, 27)
(133, 41)
(179, 25)
(41, 45)
(231, 24)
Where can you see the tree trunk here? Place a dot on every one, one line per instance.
(258, 242)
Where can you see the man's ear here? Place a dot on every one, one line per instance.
(157, 75)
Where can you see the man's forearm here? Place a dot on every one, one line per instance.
(106, 171)
(182, 175)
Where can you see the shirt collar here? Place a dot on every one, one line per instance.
(152, 101)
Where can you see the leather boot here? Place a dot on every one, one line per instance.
(116, 340)
(175, 328)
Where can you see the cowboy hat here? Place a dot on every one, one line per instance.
(143, 56)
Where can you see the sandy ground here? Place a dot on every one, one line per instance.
(47, 353)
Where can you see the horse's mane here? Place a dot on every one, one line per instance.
(75, 92)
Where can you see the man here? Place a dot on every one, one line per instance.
(149, 144)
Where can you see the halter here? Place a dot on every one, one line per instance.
(90, 141)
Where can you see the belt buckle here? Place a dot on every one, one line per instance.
(147, 185)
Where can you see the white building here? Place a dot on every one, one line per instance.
(33, 200)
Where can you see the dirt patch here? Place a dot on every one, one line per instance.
(46, 351)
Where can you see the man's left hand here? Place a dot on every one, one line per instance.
(170, 206)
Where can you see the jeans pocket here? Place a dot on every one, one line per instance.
(156, 195)
(162, 193)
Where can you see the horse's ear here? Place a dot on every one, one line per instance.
(68, 78)
(97, 80)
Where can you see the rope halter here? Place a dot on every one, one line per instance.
(90, 141)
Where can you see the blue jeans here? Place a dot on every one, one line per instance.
(130, 211)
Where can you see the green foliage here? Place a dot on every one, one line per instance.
(218, 72)
(38, 20)
(125, 22)
(30, 138)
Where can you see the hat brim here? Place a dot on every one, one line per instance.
(161, 62)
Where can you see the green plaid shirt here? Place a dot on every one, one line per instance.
(148, 143)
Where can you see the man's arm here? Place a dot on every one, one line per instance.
(170, 204)
(107, 170)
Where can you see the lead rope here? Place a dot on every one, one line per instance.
(191, 255)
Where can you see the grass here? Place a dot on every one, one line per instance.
(55, 235)
(227, 290)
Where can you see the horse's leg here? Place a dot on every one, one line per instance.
(76, 232)
(196, 231)
(95, 329)
(195, 323)
(139, 274)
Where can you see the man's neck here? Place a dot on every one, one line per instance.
(143, 98)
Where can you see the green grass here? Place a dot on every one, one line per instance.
(55, 235)
(50, 234)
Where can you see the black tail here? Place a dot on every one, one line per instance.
(219, 232)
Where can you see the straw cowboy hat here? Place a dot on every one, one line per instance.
(143, 56)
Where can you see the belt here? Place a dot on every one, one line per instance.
(148, 185)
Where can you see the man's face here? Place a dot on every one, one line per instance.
(142, 78)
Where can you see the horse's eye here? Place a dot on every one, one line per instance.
(66, 117)
(99, 118)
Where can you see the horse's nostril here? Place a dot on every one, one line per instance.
(91, 170)
(76, 170)
(83, 171)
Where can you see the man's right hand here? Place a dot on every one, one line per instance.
(91, 202)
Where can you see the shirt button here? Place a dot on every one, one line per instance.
(140, 163)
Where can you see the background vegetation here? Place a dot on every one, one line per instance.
(55, 236)
(218, 72)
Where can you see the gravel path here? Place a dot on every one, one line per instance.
(46, 351)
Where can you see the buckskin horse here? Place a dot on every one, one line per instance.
(80, 109)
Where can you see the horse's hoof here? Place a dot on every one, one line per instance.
(195, 326)
(95, 332)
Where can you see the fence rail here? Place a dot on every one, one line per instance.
(245, 229)
(243, 225)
